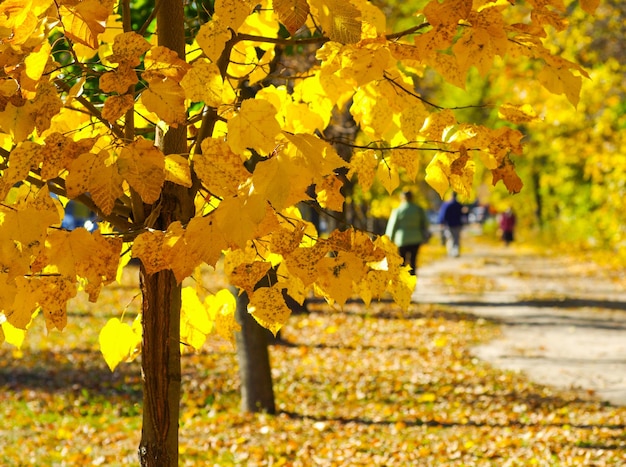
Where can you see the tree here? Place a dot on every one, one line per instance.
(151, 127)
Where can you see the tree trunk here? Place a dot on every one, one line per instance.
(160, 361)
(257, 393)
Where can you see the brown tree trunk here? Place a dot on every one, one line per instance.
(257, 393)
(160, 362)
(161, 366)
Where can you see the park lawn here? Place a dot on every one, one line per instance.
(358, 386)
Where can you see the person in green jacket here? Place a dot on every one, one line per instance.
(408, 228)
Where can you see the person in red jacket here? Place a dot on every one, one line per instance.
(507, 226)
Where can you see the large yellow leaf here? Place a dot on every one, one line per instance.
(142, 165)
(22, 159)
(247, 275)
(329, 194)
(166, 98)
(85, 21)
(255, 126)
(204, 83)
(222, 307)
(148, 247)
(267, 306)
(219, 168)
(177, 170)
(119, 342)
(195, 321)
(339, 19)
(337, 274)
(212, 37)
(128, 47)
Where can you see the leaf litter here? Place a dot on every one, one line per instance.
(356, 386)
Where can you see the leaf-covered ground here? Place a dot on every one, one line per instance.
(353, 387)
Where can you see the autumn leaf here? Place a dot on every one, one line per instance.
(220, 169)
(84, 21)
(119, 342)
(506, 173)
(255, 127)
(195, 321)
(143, 166)
(267, 306)
(292, 13)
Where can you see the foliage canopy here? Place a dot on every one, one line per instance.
(86, 98)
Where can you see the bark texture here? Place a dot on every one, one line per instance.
(161, 366)
(257, 392)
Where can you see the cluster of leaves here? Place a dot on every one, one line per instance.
(251, 159)
(372, 386)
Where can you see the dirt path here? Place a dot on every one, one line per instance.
(563, 322)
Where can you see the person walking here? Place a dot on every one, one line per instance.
(507, 225)
(451, 220)
(408, 229)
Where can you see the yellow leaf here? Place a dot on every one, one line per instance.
(118, 342)
(318, 156)
(558, 79)
(85, 21)
(58, 153)
(204, 83)
(437, 175)
(328, 193)
(402, 287)
(363, 65)
(128, 47)
(267, 306)
(23, 158)
(116, 106)
(36, 61)
(198, 231)
(221, 307)
(364, 164)
(105, 183)
(337, 274)
(388, 176)
(11, 335)
(195, 322)
(255, 127)
(51, 293)
(292, 13)
(517, 113)
(340, 20)
(119, 80)
(166, 98)
(148, 247)
(233, 14)
(247, 275)
(163, 62)
(143, 165)
(219, 168)
(177, 170)
(212, 37)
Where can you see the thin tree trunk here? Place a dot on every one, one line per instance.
(161, 364)
(161, 369)
(257, 393)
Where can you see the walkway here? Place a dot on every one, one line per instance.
(563, 322)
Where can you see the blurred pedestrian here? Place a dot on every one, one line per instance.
(451, 220)
(408, 229)
(507, 226)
